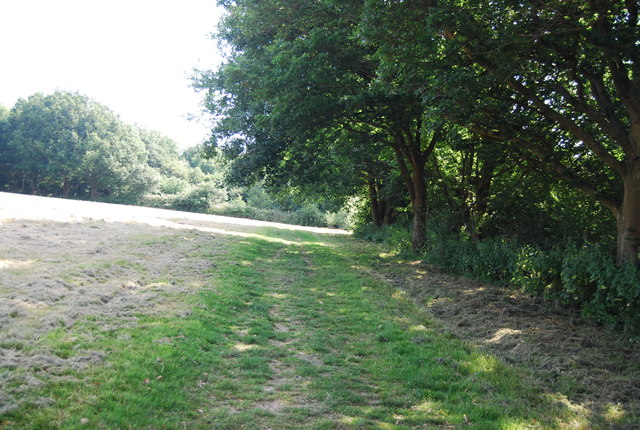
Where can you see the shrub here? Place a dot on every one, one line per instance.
(200, 198)
(538, 272)
(342, 219)
(582, 277)
(162, 201)
(605, 290)
(172, 185)
(309, 215)
(397, 237)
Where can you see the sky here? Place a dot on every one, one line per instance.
(134, 56)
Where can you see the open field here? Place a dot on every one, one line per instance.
(122, 317)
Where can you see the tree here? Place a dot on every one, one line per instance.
(163, 154)
(556, 82)
(300, 70)
(65, 142)
(114, 163)
(6, 154)
(48, 134)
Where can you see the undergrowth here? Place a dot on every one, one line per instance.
(584, 277)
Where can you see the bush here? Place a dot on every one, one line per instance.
(172, 185)
(585, 278)
(162, 201)
(538, 272)
(397, 237)
(343, 219)
(309, 215)
(605, 291)
(581, 277)
(200, 198)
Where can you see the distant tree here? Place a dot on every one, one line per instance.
(114, 165)
(163, 154)
(49, 135)
(66, 142)
(6, 153)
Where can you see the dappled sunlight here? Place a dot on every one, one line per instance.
(14, 264)
(474, 290)
(614, 414)
(244, 347)
(400, 295)
(427, 406)
(499, 335)
(577, 409)
(483, 364)
(345, 419)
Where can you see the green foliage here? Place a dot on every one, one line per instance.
(172, 185)
(539, 272)
(395, 236)
(343, 219)
(490, 259)
(65, 144)
(200, 198)
(310, 215)
(585, 277)
(256, 196)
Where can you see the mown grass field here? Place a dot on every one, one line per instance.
(255, 328)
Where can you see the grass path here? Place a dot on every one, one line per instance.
(287, 330)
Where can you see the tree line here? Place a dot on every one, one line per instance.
(485, 120)
(67, 145)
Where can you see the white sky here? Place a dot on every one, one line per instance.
(134, 56)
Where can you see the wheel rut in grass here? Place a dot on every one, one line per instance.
(285, 385)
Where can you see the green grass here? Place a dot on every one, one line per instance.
(290, 333)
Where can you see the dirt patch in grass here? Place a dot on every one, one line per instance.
(573, 359)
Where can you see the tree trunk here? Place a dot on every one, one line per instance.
(389, 214)
(66, 188)
(93, 185)
(419, 205)
(374, 203)
(418, 202)
(408, 150)
(628, 219)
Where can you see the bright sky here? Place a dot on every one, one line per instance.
(134, 56)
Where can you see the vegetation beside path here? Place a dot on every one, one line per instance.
(292, 330)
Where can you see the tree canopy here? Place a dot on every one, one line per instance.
(551, 87)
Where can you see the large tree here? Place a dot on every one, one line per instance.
(66, 142)
(300, 70)
(557, 82)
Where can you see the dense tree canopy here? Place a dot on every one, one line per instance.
(502, 120)
(556, 82)
(549, 86)
(65, 144)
